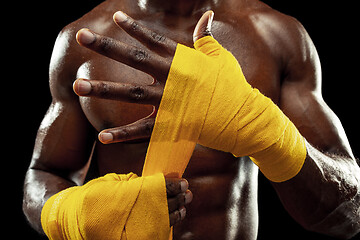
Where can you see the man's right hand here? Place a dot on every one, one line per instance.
(178, 196)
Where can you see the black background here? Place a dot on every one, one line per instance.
(29, 31)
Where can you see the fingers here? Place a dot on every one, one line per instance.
(177, 216)
(143, 60)
(140, 129)
(175, 186)
(153, 40)
(178, 196)
(117, 91)
(179, 200)
(203, 27)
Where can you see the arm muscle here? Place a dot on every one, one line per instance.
(322, 196)
(64, 139)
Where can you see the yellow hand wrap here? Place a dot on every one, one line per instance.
(110, 207)
(208, 100)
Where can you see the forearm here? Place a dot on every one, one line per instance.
(39, 186)
(324, 196)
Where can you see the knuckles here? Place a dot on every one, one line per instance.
(137, 93)
(106, 45)
(122, 134)
(148, 126)
(138, 55)
(134, 26)
(102, 89)
(157, 38)
(172, 187)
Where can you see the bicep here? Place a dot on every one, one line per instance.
(315, 120)
(63, 142)
(302, 101)
(65, 138)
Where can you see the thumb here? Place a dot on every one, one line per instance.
(203, 27)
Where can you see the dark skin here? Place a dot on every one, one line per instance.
(277, 57)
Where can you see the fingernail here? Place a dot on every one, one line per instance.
(184, 185)
(120, 17)
(182, 213)
(105, 137)
(84, 36)
(188, 197)
(211, 15)
(82, 87)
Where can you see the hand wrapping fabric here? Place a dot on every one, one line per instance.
(110, 207)
(208, 100)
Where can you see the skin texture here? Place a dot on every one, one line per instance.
(277, 57)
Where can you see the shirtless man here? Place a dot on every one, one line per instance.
(277, 57)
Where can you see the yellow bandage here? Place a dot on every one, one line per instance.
(110, 207)
(208, 100)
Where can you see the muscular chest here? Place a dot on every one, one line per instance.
(255, 57)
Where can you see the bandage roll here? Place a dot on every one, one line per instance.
(115, 206)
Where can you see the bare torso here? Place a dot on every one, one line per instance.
(277, 57)
(224, 187)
